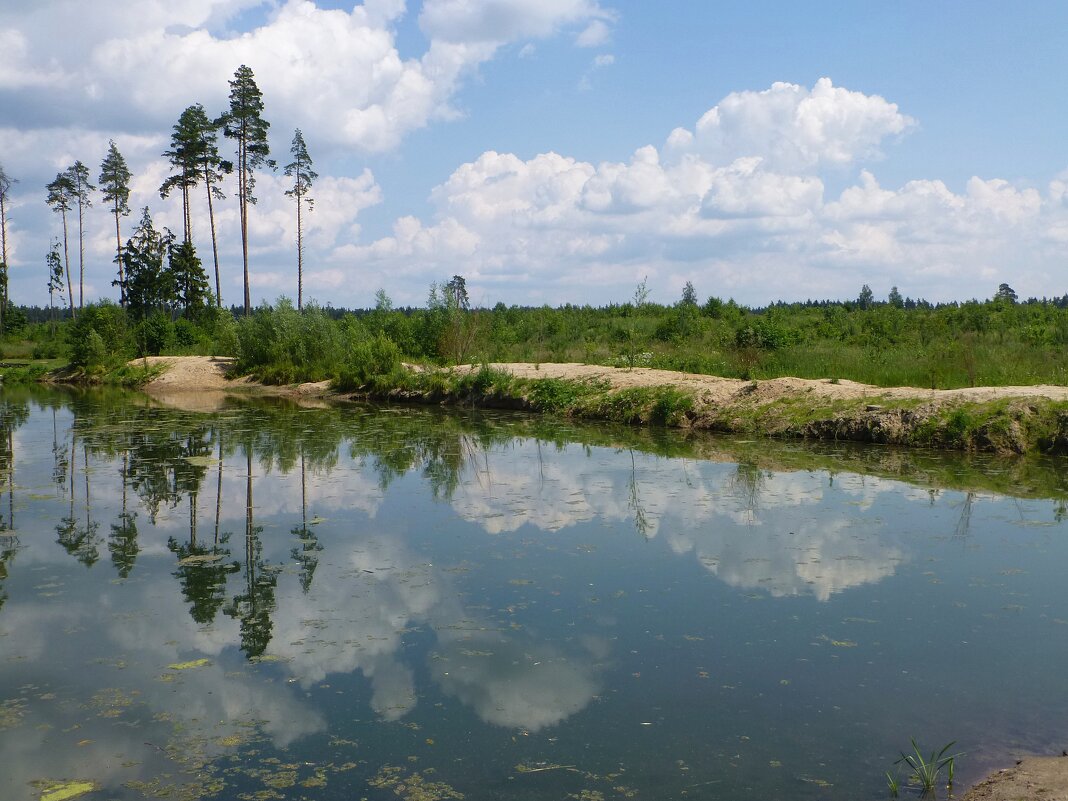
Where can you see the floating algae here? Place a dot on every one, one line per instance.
(61, 791)
(195, 663)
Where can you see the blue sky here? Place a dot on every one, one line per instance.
(529, 145)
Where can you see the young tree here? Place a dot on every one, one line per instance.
(149, 285)
(60, 197)
(689, 295)
(187, 275)
(300, 170)
(78, 174)
(895, 299)
(54, 262)
(5, 187)
(1006, 294)
(115, 187)
(245, 125)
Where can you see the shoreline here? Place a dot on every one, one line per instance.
(1020, 420)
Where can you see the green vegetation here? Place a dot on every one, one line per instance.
(169, 310)
(926, 770)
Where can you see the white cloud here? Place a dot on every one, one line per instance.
(734, 201)
(796, 128)
(336, 72)
(595, 34)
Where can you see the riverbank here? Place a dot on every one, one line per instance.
(1028, 419)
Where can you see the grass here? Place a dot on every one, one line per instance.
(926, 770)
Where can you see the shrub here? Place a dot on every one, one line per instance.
(113, 343)
(372, 358)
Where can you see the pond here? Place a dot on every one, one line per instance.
(269, 601)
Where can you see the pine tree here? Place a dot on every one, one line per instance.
(78, 174)
(244, 124)
(115, 187)
(54, 262)
(211, 169)
(149, 285)
(187, 274)
(300, 170)
(60, 197)
(5, 187)
(184, 158)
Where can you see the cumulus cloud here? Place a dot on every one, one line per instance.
(340, 73)
(795, 128)
(740, 196)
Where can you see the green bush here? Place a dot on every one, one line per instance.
(373, 358)
(112, 343)
(155, 334)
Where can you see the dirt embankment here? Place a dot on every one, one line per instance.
(714, 390)
(1007, 419)
(1032, 779)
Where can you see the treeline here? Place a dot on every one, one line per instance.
(157, 269)
(1000, 341)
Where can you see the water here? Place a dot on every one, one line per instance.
(276, 602)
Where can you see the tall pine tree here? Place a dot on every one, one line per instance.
(211, 170)
(244, 123)
(5, 187)
(78, 174)
(60, 197)
(183, 158)
(115, 187)
(300, 170)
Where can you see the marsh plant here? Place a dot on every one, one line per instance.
(925, 771)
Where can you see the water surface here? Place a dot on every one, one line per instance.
(276, 602)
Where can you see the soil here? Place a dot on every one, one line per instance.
(1032, 779)
(713, 390)
(197, 373)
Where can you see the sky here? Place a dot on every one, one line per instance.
(564, 151)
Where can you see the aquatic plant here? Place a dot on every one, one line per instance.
(925, 771)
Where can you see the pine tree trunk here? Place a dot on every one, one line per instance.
(66, 263)
(81, 256)
(3, 258)
(186, 233)
(214, 242)
(3, 230)
(242, 179)
(300, 256)
(118, 256)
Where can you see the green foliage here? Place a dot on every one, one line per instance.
(282, 345)
(556, 394)
(155, 334)
(926, 770)
(99, 337)
(375, 358)
(187, 277)
(148, 285)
